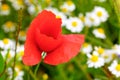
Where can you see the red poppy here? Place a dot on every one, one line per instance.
(45, 35)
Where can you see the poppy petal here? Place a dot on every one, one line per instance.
(48, 24)
(69, 48)
(47, 43)
(32, 55)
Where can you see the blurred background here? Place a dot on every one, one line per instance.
(98, 20)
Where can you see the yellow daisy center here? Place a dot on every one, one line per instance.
(9, 24)
(69, 3)
(45, 76)
(48, 1)
(5, 7)
(114, 55)
(100, 30)
(58, 16)
(9, 55)
(100, 50)
(99, 13)
(85, 45)
(22, 33)
(92, 19)
(64, 10)
(74, 23)
(5, 41)
(82, 18)
(21, 53)
(94, 58)
(118, 67)
(20, 2)
(106, 57)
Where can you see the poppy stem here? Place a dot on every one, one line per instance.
(43, 54)
(31, 73)
(36, 69)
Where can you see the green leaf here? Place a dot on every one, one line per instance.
(2, 65)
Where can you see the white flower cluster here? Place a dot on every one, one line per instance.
(99, 56)
(7, 47)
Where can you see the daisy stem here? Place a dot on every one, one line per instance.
(95, 41)
(17, 34)
(116, 4)
(119, 37)
(83, 70)
(107, 73)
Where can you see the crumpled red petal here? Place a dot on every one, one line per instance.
(48, 24)
(32, 54)
(70, 48)
(47, 43)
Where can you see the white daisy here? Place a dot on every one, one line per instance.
(115, 68)
(116, 48)
(101, 13)
(100, 50)
(22, 35)
(4, 9)
(62, 16)
(19, 73)
(30, 2)
(91, 19)
(17, 4)
(58, 15)
(82, 17)
(95, 60)
(32, 9)
(86, 48)
(20, 51)
(68, 6)
(9, 26)
(99, 33)
(74, 24)
(8, 55)
(7, 44)
(108, 55)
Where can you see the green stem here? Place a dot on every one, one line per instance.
(17, 34)
(36, 69)
(83, 70)
(107, 73)
(95, 41)
(119, 37)
(31, 73)
(116, 4)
